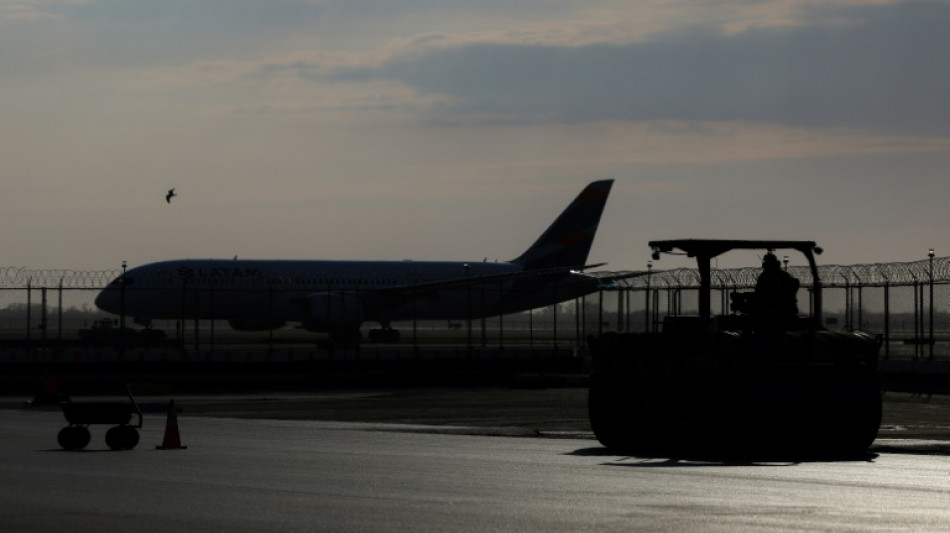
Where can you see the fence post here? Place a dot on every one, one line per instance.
(29, 309)
(887, 313)
(211, 313)
(860, 304)
(468, 309)
(621, 313)
(180, 325)
(197, 321)
(580, 316)
(848, 305)
(554, 307)
(916, 320)
(59, 314)
(484, 287)
(922, 319)
(656, 310)
(501, 316)
(415, 321)
(646, 297)
(600, 313)
(43, 321)
(122, 300)
(531, 329)
(930, 338)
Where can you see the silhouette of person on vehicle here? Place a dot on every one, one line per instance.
(775, 303)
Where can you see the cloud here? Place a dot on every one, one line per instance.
(34, 10)
(878, 68)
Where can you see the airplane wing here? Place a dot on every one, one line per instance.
(387, 297)
(411, 289)
(607, 279)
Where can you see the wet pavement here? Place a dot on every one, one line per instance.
(522, 411)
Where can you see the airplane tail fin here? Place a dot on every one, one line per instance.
(568, 239)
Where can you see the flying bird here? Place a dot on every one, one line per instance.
(171, 194)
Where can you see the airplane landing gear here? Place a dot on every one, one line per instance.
(384, 335)
(344, 338)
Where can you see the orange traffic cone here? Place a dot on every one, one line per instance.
(172, 440)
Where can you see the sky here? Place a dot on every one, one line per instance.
(459, 129)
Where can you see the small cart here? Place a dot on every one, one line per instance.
(122, 436)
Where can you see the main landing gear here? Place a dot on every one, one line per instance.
(351, 337)
(389, 335)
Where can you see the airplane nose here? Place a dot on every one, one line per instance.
(108, 300)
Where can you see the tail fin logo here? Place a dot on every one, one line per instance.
(568, 239)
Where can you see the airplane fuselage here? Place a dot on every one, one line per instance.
(288, 290)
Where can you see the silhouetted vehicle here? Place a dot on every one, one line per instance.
(747, 382)
(80, 415)
(105, 330)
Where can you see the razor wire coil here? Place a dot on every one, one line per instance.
(832, 276)
(936, 270)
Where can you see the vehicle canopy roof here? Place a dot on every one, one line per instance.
(715, 247)
(706, 249)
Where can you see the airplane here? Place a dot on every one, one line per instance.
(337, 297)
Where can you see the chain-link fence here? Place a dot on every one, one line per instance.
(908, 304)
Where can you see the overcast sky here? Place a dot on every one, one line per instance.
(458, 129)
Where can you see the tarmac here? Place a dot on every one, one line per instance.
(445, 459)
(303, 475)
(531, 409)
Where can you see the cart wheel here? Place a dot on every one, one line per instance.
(122, 437)
(131, 437)
(73, 437)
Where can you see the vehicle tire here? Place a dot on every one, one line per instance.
(65, 438)
(73, 437)
(122, 438)
(132, 437)
(611, 415)
(623, 405)
(861, 421)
